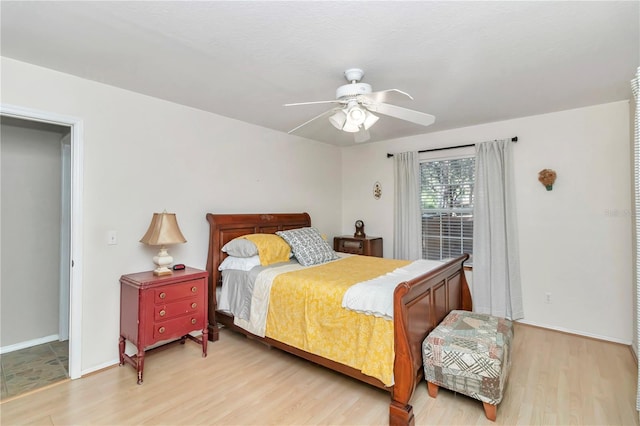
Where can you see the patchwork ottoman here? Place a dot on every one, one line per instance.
(469, 353)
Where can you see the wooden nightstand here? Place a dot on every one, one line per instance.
(368, 246)
(158, 308)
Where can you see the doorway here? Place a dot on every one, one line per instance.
(72, 182)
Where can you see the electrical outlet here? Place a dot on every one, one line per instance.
(547, 298)
(112, 238)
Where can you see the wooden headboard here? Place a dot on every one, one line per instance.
(225, 227)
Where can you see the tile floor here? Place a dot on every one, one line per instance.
(30, 368)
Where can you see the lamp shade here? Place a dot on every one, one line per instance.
(370, 120)
(163, 230)
(338, 119)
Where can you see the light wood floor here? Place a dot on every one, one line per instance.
(555, 379)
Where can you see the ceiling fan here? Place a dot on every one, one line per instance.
(357, 102)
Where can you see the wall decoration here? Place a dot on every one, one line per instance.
(547, 177)
(377, 190)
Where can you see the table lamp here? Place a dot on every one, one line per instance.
(163, 231)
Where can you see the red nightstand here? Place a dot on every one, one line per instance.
(158, 308)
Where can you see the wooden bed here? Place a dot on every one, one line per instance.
(419, 305)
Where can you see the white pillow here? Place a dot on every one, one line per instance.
(239, 263)
(240, 247)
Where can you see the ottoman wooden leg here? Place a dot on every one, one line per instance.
(433, 389)
(490, 411)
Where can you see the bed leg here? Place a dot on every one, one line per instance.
(213, 333)
(432, 388)
(401, 415)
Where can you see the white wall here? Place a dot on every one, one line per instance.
(575, 241)
(31, 191)
(144, 155)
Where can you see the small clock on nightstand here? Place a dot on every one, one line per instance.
(359, 229)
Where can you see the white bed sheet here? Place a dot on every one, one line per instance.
(375, 296)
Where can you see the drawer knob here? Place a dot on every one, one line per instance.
(194, 305)
(194, 289)
(161, 330)
(193, 321)
(163, 313)
(163, 295)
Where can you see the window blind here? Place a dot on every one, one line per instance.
(446, 198)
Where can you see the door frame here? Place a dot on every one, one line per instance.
(65, 237)
(75, 284)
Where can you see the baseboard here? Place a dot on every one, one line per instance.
(577, 333)
(28, 344)
(103, 366)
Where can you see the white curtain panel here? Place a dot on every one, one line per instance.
(496, 261)
(407, 231)
(635, 88)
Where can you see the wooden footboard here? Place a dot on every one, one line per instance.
(419, 305)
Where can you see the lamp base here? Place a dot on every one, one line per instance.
(162, 259)
(162, 271)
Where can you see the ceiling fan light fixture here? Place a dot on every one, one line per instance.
(353, 119)
(350, 127)
(369, 120)
(356, 115)
(338, 119)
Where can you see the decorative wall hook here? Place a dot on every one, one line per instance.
(547, 177)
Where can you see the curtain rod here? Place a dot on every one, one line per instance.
(513, 139)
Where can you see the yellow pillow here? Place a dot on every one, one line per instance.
(271, 248)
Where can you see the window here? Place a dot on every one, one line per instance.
(446, 196)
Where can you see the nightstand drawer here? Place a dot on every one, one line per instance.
(171, 310)
(177, 327)
(366, 246)
(351, 246)
(179, 291)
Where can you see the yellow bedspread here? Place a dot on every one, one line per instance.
(305, 311)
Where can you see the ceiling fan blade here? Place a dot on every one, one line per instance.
(335, 101)
(361, 136)
(317, 117)
(403, 113)
(390, 95)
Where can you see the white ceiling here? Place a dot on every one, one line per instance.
(464, 62)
